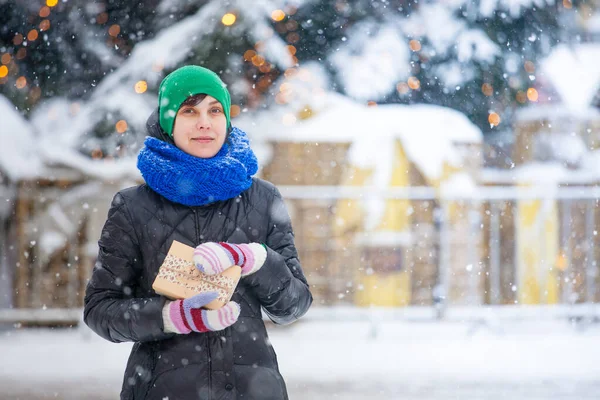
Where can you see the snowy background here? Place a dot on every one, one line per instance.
(493, 101)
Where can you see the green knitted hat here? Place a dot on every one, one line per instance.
(185, 82)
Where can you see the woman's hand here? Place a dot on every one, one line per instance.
(185, 316)
(213, 258)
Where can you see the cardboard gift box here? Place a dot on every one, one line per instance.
(178, 278)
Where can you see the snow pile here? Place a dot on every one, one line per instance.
(30, 149)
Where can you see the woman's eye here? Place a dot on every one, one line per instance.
(216, 110)
(188, 111)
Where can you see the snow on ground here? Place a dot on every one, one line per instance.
(526, 359)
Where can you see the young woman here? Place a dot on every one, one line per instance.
(200, 191)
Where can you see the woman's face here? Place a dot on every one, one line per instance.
(200, 130)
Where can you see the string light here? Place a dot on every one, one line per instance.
(402, 88)
(44, 25)
(263, 83)
(292, 37)
(278, 15)
(3, 71)
(141, 87)
(291, 25)
(35, 94)
(285, 88)
(371, 104)
(290, 72)
(265, 68)
(97, 153)
(21, 82)
(234, 111)
(258, 60)
(414, 45)
(487, 89)
(529, 67)
(228, 19)
(532, 94)
(291, 49)
(32, 35)
(18, 39)
(521, 97)
(5, 59)
(21, 53)
(494, 119)
(114, 30)
(121, 126)
(51, 3)
(414, 83)
(280, 98)
(249, 54)
(102, 18)
(44, 12)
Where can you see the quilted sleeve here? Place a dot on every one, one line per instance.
(110, 308)
(280, 284)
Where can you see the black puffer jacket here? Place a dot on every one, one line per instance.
(120, 305)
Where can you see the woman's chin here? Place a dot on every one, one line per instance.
(203, 153)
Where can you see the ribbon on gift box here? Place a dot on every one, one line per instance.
(178, 278)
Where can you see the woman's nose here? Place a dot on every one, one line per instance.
(202, 122)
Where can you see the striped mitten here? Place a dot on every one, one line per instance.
(184, 316)
(213, 258)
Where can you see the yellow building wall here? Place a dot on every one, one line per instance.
(396, 215)
(391, 289)
(383, 290)
(537, 252)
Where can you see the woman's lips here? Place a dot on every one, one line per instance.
(203, 139)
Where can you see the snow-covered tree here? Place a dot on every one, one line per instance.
(476, 56)
(100, 62)
(132, 46)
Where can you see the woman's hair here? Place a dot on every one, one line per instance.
(193, 100)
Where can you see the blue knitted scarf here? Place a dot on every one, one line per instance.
(194, 181)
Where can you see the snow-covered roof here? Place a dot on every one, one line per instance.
(18, 155)
(573, 72)
(428, 133)
(554, 173)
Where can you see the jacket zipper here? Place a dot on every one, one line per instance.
(197, 220)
